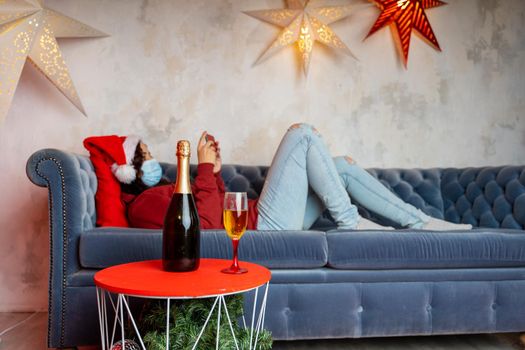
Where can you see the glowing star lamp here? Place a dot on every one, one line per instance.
(28, 30)
(404, 16)
(303, 25)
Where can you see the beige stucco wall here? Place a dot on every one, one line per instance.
(172, 68)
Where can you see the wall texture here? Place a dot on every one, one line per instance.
(172, 68)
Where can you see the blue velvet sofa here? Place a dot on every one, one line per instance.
(326, 283)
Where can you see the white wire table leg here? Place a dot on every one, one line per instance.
(253, 315)
(133, 322)
(101, 317)
(230, 322)
(265, 302)
(116, 309)
(257, 327)
(105, 313)
(121, 298)
(218, 324)
(104, 317)
(205, 324)
(168, 324)
(112, 303)
(261, 316)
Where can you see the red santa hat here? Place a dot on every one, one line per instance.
(118, 153)
(123, 167)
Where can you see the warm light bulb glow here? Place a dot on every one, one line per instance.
(304, 30)
(305, 38)
(403, 4)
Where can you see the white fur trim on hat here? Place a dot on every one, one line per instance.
(129, 146)
(124, 173)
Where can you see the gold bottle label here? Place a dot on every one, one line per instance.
(183, 167)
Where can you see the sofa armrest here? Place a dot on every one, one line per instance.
(71, 183)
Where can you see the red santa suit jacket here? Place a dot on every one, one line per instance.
(147, 210)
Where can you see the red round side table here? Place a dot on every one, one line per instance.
(147, 279)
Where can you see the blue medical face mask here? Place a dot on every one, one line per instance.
(151, 172)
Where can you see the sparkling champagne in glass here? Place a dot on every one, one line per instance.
(235, 217)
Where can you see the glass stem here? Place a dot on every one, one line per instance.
(235, 264)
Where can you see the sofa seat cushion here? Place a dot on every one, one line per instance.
(419, 249)
(108, 246)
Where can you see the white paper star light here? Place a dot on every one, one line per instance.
(303, 25)
(28, 30)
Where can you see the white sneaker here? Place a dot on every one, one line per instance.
(364, 224)
(442, 225)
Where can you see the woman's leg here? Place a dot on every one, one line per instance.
(314, 209)
(302, 161)
(370, 193)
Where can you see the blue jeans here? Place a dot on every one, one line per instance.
(303, 180)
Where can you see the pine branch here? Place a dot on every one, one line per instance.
(187, 319)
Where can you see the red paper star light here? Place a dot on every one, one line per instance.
(405, 15)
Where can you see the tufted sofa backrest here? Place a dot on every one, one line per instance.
(486, 197)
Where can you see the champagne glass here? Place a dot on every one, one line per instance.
(235, 217)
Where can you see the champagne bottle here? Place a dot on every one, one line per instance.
(181, 231)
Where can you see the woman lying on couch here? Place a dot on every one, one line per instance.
(303, 181)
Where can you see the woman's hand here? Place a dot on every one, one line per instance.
(218, 161)
(206, 151)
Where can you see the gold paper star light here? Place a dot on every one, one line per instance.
(404, 16)
(303, 25)
(28, 30)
